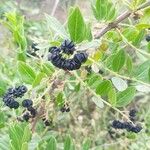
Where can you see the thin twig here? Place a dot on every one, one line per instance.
(39, 114)
(55, 7)
(119, 19)
(105, 102)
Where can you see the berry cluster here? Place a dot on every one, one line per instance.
(12, 93)
(126, 125)
(65, 108)
(67, 47)
(31, 112)
(148, 38)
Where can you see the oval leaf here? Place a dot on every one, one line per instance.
(51, 144)
(125, 97)
(119, 83)
(68, 143)
(104, 87)
(38, 79)
(76, 26)
(112, 97)
(118, 61)
(26, 73)
(98, 102)
(55, 25)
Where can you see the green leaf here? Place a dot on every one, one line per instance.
(94, 80)
(38, 79)
(26, 73)
(119, 83)
(141, 71)
(2, 120)
(104, 10)
(145, 17)
(112, 97)
(24, 146)
(76, 26)
(3, 86)
(149, 74)
(15, 23)
(111, 14)
(139, 38)
(103, 88)
(51, 144)
(68, 143)
(89, 36)
(60, 99)
(4, 144)
(135, 3)
(109, 61)
(129, 64)
(130, 33)
(20, 135)
(98, 101)
(125, 97)
(26, 134)
(142, 26)
(86, 145)
(47, 68)
(77, 87)
(21, 56)
(119, 60)
(55, 25)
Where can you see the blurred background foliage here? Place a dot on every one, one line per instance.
(86, 125)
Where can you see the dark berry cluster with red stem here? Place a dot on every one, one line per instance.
(67, 47)
(11, 94)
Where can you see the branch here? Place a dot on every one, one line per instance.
(120, 19)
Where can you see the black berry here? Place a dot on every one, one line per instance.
(136, 129)
(19, 91)
(80, 57)
(32, 111)
(27, 103)
(132, 113)
(68, 47)
(14, 104)
(47, 123)
(63, 109)
(148, 38)
(118, 124)
(10, 91)
(67, 109)
(54, 49)
(26, 116)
